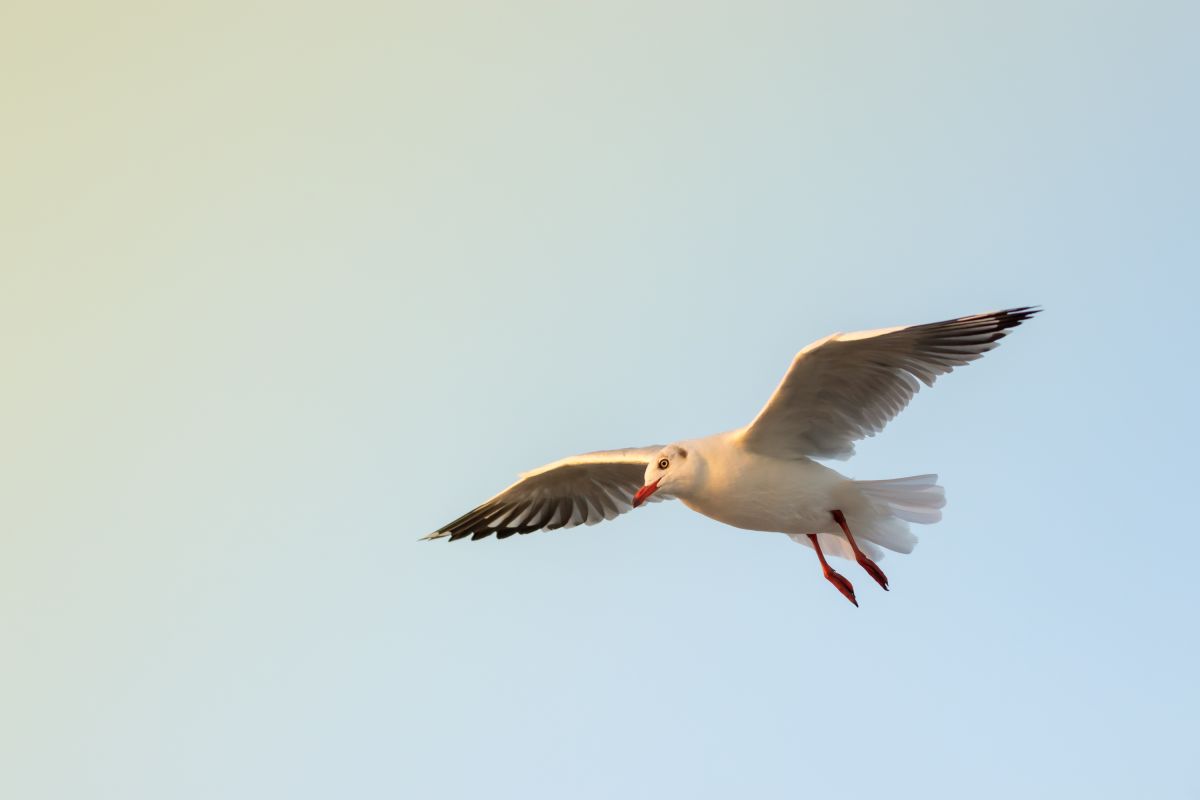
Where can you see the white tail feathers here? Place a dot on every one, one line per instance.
(891, 505)
(878, 516)
(917, 498)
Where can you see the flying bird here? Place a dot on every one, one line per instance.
(763, 477)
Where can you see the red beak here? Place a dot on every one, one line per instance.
(644, 492)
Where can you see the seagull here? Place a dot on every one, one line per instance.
(764, 476)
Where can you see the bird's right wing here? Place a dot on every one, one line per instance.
(579, 490)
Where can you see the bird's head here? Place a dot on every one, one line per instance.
(673, 471)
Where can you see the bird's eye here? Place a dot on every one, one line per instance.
(663, 463)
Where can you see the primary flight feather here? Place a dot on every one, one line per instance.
(762, 477)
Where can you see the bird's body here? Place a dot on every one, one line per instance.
(747, 490)
(763, 493)
(763, 477)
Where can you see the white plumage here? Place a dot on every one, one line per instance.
(763, 477)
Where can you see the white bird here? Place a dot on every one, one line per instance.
(762, 477)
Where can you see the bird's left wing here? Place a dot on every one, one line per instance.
(850, 385)
(579, 490)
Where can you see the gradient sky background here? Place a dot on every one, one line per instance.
(285, 286)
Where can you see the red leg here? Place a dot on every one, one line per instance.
(844, 586)
(870, 566)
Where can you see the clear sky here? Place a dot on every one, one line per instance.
(285, 286)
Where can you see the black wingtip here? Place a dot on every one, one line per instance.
(1017, 314)
(1012, 317)
(998, 321)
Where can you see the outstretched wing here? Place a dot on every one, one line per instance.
(579, 490)
(850, 385)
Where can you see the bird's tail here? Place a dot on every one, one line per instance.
(895, 503)
(917, 498)
(882, 520)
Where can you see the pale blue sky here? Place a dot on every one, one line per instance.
(284, 288)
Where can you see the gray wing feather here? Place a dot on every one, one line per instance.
(580, 490)
(849, 386)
